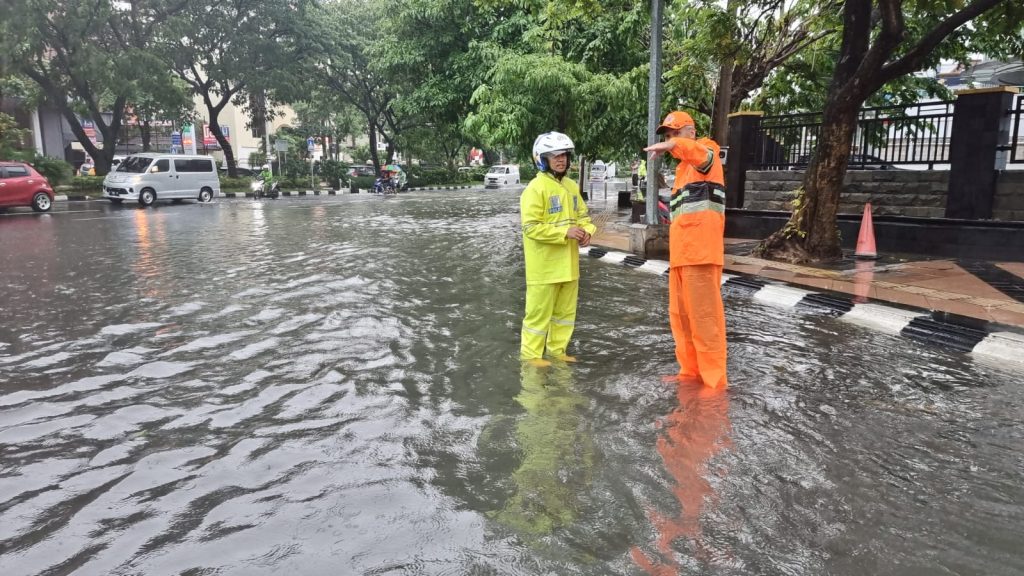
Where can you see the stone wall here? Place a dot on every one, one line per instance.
(916, 193)
(1009, 201)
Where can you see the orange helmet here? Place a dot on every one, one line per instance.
(676, 120)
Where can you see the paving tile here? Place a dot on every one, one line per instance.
(961, 308)
(784, 275)
(963, 284)
(1016, 268)
(992, 302)
(936, 264)
(1019, 308)
(1007, 317)
(900, 297)
(820, 283)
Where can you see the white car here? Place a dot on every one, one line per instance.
(146, 178)
(501, 175)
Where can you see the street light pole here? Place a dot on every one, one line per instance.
(654, 111)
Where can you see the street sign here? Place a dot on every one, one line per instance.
(310, 144)
(281, 145)
(176, 139)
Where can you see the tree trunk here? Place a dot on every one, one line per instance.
(812, 232)
(723, 103)
(225, 147)
(373, 145)
(146, 132)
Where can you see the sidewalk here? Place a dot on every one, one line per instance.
(983, 290)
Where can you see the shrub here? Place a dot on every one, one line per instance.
(227, 183)
(334, 172)
(364, 182)
(55, 170)
(85, 184)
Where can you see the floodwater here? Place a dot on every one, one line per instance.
(330, 386)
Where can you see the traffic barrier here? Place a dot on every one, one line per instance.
(866, 238)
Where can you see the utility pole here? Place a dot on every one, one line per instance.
(654, 111)
(266, 134)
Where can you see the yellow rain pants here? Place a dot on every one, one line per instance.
(550, 318)
(697, 317)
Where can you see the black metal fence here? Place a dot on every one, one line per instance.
(889, 136)
(1016, 113)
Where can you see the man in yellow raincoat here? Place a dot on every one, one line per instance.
(555, 224)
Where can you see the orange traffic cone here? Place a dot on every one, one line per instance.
(866, 238)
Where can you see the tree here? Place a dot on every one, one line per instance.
(881, 41)
(575, 66)
(720, 55)
(89, 59)
(226, 51)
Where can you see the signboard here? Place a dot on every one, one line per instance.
(188, 138)
(310, 144)
(210, 140)
(176, 139)
(90, 129)
(281, 145)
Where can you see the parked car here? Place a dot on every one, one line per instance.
(242, 171)
(21, 185)
(357, 171)
(146, 178)
(501, 175)
(856, 162)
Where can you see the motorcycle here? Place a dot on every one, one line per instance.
(384, 186)
(260, 189)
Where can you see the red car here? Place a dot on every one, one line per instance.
(21, 185)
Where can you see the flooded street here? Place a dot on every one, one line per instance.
(330, 386)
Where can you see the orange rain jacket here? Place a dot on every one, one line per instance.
(697, 233)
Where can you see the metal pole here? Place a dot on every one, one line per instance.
(266, 135)
(654, 111)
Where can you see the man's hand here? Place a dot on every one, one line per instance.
(586, 241)
(576, 233)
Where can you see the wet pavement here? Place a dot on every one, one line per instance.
(330, 386)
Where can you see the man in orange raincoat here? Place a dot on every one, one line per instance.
(696, 250)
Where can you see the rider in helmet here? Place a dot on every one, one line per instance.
(555, 224)
(265, 174)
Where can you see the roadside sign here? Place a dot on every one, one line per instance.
(281, 145)
(176, 139)
(310, 144)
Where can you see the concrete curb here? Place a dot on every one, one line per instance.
(286, 193)
(983, 340)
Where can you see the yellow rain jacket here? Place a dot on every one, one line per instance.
(548, 208)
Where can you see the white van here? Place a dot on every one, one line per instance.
(501, 175)
(146, 178)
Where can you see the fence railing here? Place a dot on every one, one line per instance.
(886, 136)
(1016, 114)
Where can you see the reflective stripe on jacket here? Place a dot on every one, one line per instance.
(697, 233)
(548, 208)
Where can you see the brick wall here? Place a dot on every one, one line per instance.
(916, 193)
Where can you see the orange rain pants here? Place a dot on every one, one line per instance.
(698, 322)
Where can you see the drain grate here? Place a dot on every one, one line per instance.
(634, 261)
(835, 305)
(955, 336)
(745, 282)
(597, 252)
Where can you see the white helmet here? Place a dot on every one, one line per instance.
(550, 143)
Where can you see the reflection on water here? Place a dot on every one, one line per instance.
(331, 386)
(692, 434)
(557, 452)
